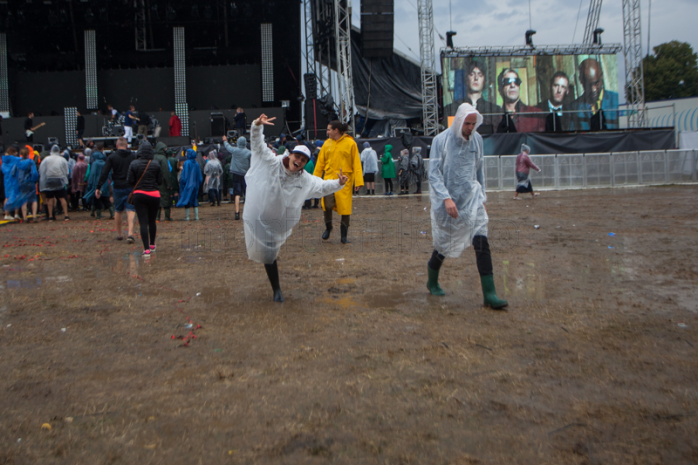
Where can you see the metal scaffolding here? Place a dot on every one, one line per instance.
(634, 75)
(342, 22)
(141, 25)
(592, 21)
(430, 104)
(314, 11)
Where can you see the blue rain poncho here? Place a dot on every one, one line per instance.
(189, 182)
(97, 163)
(25, 176)
(456, 171)
(11, 185)
(274, 199)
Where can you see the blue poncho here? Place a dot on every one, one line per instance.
(97, 163)
(11, 185)
(190, 181)
(24, 177)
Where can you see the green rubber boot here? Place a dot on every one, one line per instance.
(196, 213)
(433, 283)
(158, 216)
(186, 212)
(98, 214)
(490, 294)
(111, 212)
(167, 214)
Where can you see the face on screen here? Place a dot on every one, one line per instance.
(511, 89)
(559, 90)
(476, 80)
(592, 79)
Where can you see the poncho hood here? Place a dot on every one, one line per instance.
(389, 149)
(242, 143)
(98, 156)
(161, 149)
(464, 110)
(145, 151)
(191, 154)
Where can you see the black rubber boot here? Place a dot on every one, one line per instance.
(328, 230)
(273, 275)
(344, 230)
(237, 216)
(167, 214)
(159, 215)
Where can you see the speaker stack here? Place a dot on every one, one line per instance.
(377, 25)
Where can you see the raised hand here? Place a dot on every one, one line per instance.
(342, 179)
(264, 120)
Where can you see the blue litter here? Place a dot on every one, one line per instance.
(611, 234)
(610, 246)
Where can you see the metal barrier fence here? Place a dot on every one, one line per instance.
(579, 171)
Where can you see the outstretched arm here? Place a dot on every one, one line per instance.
(322, 188)
(259, 149)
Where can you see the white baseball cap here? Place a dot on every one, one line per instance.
(301, 150)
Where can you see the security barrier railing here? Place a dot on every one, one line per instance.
(589, 170)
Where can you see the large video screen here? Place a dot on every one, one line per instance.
(555, 93)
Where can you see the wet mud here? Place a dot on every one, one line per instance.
(108, 357)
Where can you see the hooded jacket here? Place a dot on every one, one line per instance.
(98, 161)
(118, 162)
(240, 160)
(151, 178)
(388, 168)
(53, 172)
(190, 181)
(161, 158)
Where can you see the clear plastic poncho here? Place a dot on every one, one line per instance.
(456, 171)
(274, 199)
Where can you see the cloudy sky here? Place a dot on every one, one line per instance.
(504, 22)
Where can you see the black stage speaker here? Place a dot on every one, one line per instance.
(219, 124)
(377, 25)
(315, 120)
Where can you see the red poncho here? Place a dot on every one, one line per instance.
(175, 126)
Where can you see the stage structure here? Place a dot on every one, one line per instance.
(542, 89)
(127, 52)
(430, 104)
(342, 25)
(634, 74)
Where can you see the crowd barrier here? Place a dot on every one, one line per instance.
(589, 170)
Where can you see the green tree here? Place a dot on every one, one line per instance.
(671, 72)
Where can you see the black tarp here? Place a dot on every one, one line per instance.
(510, 144)
(396, 84)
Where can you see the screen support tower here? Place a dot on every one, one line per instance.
(592, 21)
(430, 105)
(314, 65)
(634, 74)
(141, 25)
(342, 25)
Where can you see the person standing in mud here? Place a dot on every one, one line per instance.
(339, 152)
(277, 186)
(457, 191)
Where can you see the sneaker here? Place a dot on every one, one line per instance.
(146, 253)
(53, 218)
(152, 248)
(119, 238)
(66, 218)
(130, 240)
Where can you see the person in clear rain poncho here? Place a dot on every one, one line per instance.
(403, 174)
(276, 190)
(457, 191)
(213, 171)
(417, 168)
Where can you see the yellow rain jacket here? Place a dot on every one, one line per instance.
(342, 154)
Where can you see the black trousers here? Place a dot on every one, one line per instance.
(147, 211)
(388, 184)
(483, 257)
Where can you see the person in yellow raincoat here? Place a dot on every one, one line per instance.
(339, 152)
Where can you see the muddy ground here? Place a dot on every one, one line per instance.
(594, 363)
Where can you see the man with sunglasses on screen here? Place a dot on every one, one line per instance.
(509, 85)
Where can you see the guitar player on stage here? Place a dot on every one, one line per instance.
(29, 127)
